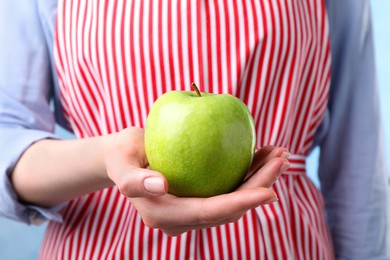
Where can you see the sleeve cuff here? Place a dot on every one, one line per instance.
(17, 141)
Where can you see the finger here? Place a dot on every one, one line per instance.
(261, 154)
(264, 155)
(220, 209)
(175, 215)
(139, 182)
(266, 175)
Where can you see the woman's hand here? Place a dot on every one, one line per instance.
(147, 189)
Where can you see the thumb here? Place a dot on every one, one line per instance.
(139, 182)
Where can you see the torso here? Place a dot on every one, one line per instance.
(115, 58)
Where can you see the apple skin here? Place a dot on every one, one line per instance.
(203, 145)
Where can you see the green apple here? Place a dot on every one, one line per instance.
(202, 143)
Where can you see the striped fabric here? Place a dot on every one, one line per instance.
(115, 58)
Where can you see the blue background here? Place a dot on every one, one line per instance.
(19, 241)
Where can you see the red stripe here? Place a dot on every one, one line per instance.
(202, 79)
(281, 59)
(190, 43)
(248, 50)
(179, 29)
(210, 55)
(84, 80)
(170, 43)
(115, 75)
(133, 66)
(96, 54)
(151, 47)
(118, 227)
(161, 46)
(246, 234)
(228, 48)
(142, 58)
(269, 82)
(77, 110)
(256, 97)
(106, 228)
(127, 83)
(210, 245)
(132, 238)
(289, 84)
(188, 243)
(160, 249)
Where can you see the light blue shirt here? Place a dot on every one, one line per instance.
(351, 170)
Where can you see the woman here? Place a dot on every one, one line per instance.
(113, 59)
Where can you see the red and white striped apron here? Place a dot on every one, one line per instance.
(115, 58)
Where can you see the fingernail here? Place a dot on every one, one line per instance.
(285, 155)
(154, 185)
(283, 168)
(272, 200)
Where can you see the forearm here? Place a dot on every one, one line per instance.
(51, 172)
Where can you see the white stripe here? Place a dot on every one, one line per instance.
(131, 215)
(276, 240)
(155, 50)
(241, 236)
(83, 67)
(120, 56)
(265, 230)
(164, 247)
(241, 61)
(131, 85)
(287, 133)
(251, 235)
(137, 51)
(145, 34)
(184, 40)
(194, 243)
(135, 236)
(121, 228)
(275, 74)
(289, 34)
(206, 247)
(306, 217)
(109, 224)
(305, 95)
(283, 240)
(155, 243)
(194, 36)
(64, 45)
(266, 64)
(225, 252)
(286, 225)
(223, 31)
(214, 49)
(145, 243)
(256, 56)
(233, 48)
(165, 48)
(94, 229)
(110, 72)
(175, 47)
(104, 70)
(182, 245)
(214, 242)
(233, 238)
(173, 248)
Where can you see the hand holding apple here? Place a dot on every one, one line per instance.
(126, 167)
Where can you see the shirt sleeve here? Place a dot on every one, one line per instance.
(352, 169)
(26, 89)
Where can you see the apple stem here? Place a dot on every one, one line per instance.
(196, 89)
